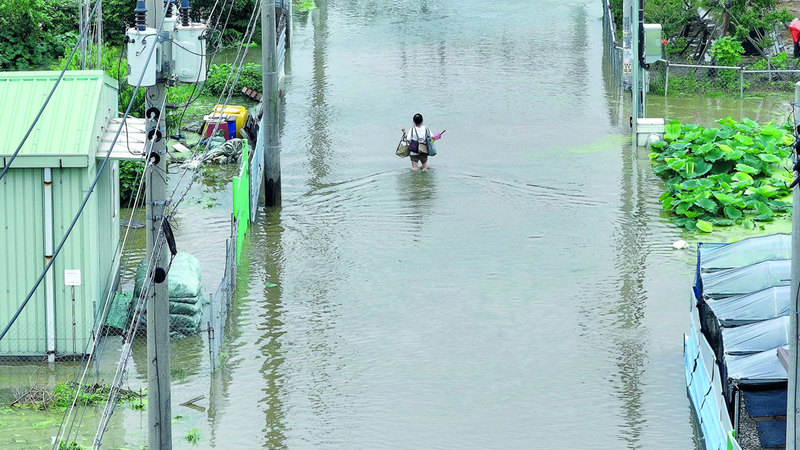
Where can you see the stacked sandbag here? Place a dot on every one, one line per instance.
(185, 299)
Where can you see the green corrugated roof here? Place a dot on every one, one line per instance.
(67, 126)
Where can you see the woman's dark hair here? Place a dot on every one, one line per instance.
(418, 119)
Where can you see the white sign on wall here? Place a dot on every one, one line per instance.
(72, 277)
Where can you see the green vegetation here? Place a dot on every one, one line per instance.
(747, 18)
(193, 436)
(71, 446)
(305, 5)
(35, 32)
(723, 176)
(727, 51)
(130, 172)
(218, 75)
(62, 394)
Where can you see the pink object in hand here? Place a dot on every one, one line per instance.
(437, 136)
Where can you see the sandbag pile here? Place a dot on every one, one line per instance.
(185, 299)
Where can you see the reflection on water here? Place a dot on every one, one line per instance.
(271, 327)
(319, 146)
(705, 110)
(419, 189)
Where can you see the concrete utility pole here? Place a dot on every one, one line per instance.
(159, 410)
(793, 397)
(636, 68)
(269, 117)
(627, 50)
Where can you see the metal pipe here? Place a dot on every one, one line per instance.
(74, 325)
(666, 81)
(49, 282)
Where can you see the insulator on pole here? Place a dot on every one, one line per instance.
(185, 13)
(141, 15)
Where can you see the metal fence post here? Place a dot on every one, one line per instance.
(666, 80)
(769, 68)
(741, 83)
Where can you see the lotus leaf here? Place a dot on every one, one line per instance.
(672, 130)
(746, 169)
(704, 226)
(707, 204)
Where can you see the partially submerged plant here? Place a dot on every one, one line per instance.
(723, 176)
(193, 436)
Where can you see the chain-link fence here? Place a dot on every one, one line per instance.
(670, 78)
(612, 47)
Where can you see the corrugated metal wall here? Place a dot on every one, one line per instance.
(21, 261)
(90, 247)
(80, 252)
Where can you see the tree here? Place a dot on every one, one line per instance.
(34, 32)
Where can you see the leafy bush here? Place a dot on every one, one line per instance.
(779, 61)
(723, 176)
(34, 32)
(130, 172)
(306, 5)
(727, 51)
(218, 76)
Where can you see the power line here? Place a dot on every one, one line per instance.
(50, 95)
(111, 402)
(85, 199)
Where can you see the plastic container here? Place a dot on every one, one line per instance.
(215, 122)
(238, 112)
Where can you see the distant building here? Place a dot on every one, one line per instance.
(39, 197)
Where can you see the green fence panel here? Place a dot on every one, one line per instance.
(241, 200)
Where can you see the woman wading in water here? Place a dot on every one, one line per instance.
(419, 137)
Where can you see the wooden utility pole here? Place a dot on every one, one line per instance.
(159, 410)
(269, 116)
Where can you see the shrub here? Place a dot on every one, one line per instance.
(250, 77)
(34, 32)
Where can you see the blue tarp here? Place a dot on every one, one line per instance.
(705, 391)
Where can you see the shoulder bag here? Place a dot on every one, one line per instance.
(429, 142)
(413, 145)
(402, 147)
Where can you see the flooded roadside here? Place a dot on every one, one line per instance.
(524, 292)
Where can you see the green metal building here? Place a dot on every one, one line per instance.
(39, 197)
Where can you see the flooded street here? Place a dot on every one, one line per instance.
(522, 294)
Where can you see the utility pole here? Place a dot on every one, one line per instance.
(636, 68)
(269, 116)
(159, 410)
(627, 51)
(793, 397)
